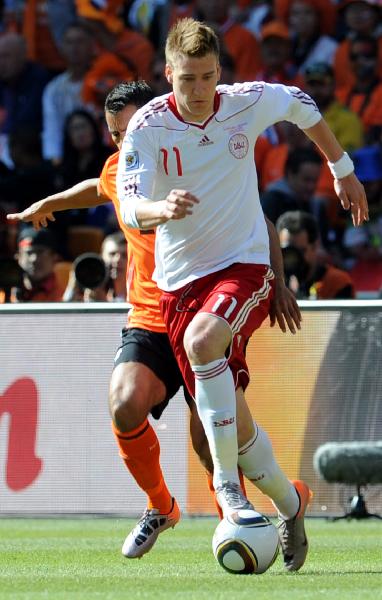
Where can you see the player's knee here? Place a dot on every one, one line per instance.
(205, 344)
(128, 407)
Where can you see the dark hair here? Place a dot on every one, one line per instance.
(80, 26)
(367, 40)
(117, 237)
(137, 93)
(296, 221)
(70, 162)
(81, 112)
(300, 156)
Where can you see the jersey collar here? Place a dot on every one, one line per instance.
(174, 110)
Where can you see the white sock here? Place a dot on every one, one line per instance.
(257, 462)
(216, 403)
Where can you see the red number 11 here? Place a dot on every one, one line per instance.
(178, 160)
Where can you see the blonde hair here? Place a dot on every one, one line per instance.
(191, 38)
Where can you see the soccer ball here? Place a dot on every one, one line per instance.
(245, 542)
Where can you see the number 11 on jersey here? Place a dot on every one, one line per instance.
(176, 151)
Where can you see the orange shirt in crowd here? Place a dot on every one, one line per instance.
(369, 109)
(342, 65)
(41, 46)
(244, 50)
(106, 71)
(326, 10)
(332, 283)
(136, 51)
(102, 11)
(142, 292)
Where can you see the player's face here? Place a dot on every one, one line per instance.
(117, 124)
(194, 82)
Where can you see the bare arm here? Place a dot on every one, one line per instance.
(81, 195)
(148, 214)
(284, 307)
(349, 189)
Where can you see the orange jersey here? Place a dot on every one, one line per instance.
(142, 292)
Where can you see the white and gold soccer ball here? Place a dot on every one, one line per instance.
(245, 542)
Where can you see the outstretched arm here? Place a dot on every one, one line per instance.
(81, 195)
(348, 188)
(284, 307)
(146, 214)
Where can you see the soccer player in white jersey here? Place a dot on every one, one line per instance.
(186, 166)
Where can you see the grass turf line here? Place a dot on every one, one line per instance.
(79, 559)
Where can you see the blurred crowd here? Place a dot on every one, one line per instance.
(59, 59)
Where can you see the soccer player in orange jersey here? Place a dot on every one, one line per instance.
(146, 374)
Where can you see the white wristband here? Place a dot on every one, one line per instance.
(342, 167)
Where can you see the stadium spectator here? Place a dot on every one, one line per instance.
(296, 189)
(364, 245)
(320, 84)
(159, 82)
(348, 129)
(271, 152)
(309, 44)
(210, 265)
(238, 41)
(84, 151)
(113, 288)
(132, 404)
(308, 277)
(42, 23)
(360, 17)
(112, 36)
(5, 235)
(106, 70)
(325, 9)
(37, 255)
(21, 86)
(253, 14)
(364, 97)
(62, 95)
(154, 18)
(275, 46)
(83, 158)
(38, 28)
(61, 14)
(30, 177)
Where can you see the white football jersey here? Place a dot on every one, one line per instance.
(215, 162)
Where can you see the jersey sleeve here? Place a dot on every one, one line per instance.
(137, 167)
(288, 103)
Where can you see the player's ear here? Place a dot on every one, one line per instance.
(219, 70)
(168, 73)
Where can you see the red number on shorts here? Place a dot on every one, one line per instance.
(220, 300)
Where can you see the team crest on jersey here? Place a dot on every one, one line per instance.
(238, 145)
(132, 160)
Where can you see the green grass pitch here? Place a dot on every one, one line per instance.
(78, 559)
